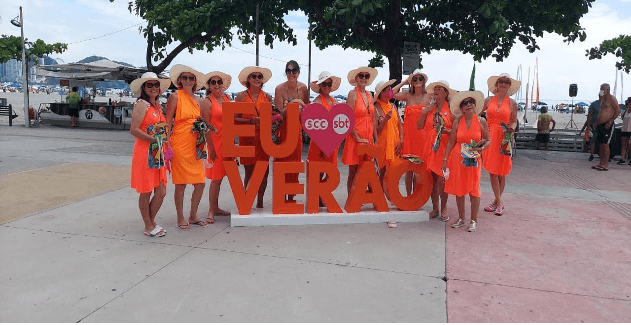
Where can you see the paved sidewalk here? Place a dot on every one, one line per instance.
(73, 250)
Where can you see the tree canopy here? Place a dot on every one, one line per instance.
(11, 48)
(207, 24)
(619, 46)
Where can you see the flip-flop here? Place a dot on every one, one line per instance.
(597, 167)
(186, 227)
(222, 214)
(200, 223)
(433, 215)
(392, 224)
(210, 220)
(165, 231)
(444, 217)
(156, 232)
(602, 169)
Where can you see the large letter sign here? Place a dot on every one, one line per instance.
(327, 128)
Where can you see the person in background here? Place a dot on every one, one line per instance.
(74, 99)
(212, 108)
(609, 111)
(626, 133)
(183, 115)
(148, 171)
(501, 116)
(469, 136)
(389, 128)
(591, 134)
(543, 127)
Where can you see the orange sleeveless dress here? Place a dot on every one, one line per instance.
(435, 159)
(464, 179)
(143, 178)
(388, 138)
(185, 167)
(413, 138)
(296, 155)
(314, 153)
(217, 171)
(363, 127)
(255, 141)
(493, 161)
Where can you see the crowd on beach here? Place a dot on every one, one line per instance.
(454, 134)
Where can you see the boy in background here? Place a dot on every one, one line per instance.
(543, 127)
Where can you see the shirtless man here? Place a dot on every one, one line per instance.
(609, 110)
(291, 91)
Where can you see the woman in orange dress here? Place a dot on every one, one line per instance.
(324, 86)
(389, 128)
(364, 132)
(253, 78)
(212, 109)
(148, 171)
(291, 91)
(415, 143)
(186, 166)
(501, 115)
(469, 136)
(439, 116)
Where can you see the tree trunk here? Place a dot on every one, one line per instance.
(395, 63)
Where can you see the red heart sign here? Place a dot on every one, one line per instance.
(328, 128)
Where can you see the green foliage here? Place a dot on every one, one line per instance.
(376, 62)
(619, 46)
(206, 25)
(11, 48)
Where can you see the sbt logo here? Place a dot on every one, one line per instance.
(341, 124)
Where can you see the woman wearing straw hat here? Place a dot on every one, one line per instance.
(324, 86)
(148, 171)
(438, 119)
(253, 78)
(291, 91)
(469, 136)
(501, 114)
(364, 132)
(212, 108)
(389, 128)
(183, 114)
(414, 139)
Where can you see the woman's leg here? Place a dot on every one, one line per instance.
(502, 182)
(443, 197)
(435, 197)
(178, 197)
(249, 169)
(156, 202)
(198, 191)
(460, 204)
(623, 149)
(409, 182)
(495, 185)
(213, 200)
(145, 211)
(352, 170)
(262, 188)
(475, 207)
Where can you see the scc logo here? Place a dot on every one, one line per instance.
(341, 124)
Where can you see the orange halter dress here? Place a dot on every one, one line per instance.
(255, 141)
(435, 158)
(463, 178)
(217, 170)
(315, 154)
(364, 128)
(143, 178)
(493, 161)
(185, 167)
(388, 138)
(413, 138)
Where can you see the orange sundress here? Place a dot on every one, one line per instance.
(364, 128)
(388, 138)
(185, 167)
(413, 138)
(143, 178)
(435, 158)
(493, 161)
(464, 179)
(296, 155)
(255, 141)
(217, 171)
(314, 153)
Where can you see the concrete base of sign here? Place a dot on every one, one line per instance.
(260, 218)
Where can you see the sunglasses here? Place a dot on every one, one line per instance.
(415, 79)
(150, 85)
(292, 71)
(188, 78)
(254, 76)
(363, 75)
(467, 102)
(327, 84)
(215, 82)
(504, 81)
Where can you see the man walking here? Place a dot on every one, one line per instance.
(609, 110)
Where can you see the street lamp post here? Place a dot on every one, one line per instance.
(24, 69)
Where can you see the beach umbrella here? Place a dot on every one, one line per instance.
(582, 104)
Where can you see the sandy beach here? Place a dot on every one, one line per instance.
(35, 100)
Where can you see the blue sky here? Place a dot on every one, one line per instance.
(76, 22)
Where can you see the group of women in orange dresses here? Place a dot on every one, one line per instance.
(440, 126)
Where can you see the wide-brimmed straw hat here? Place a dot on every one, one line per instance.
(430, 88)
(353, 73)
(383, 84)
(178, 69)
(225, 78)
(247, 71)
(514, 84)
(136, 85)
(418, 71)
(454, 104)
(324, 75)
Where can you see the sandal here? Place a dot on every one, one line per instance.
(473, 226)
(500, 210)
(156, 232)
(433, 214)
(458, 224)
(621, 162)
(392, 224)
(444, 217)
(186, 227)
(490, 208)
(210, 219)
(200, 223)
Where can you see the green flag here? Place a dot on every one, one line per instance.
(472, 82)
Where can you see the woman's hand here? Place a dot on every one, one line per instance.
(360, 140)
(446, 131)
